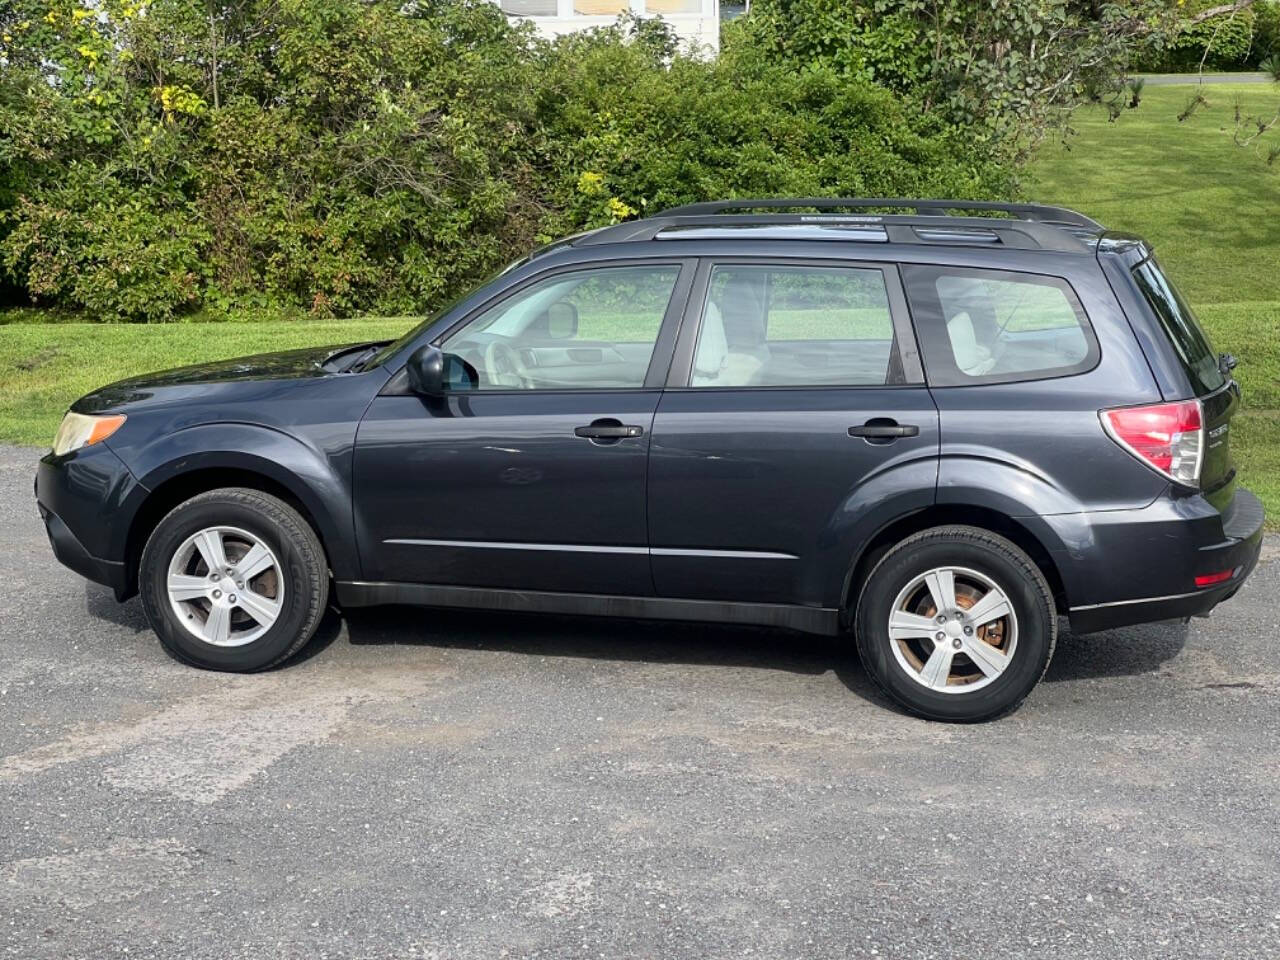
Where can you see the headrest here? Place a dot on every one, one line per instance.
(742, 312)
(971, 357)
(713, 350)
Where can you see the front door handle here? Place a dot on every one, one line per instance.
(883, 429)
(608, 430)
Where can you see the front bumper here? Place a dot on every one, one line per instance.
(87, 500)
(1166, 554)
(71, 553)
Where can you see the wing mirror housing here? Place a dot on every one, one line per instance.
(432, 372)
(425, 370)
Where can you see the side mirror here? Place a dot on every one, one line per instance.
(425, 371)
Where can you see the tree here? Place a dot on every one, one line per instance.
(161, 158)
(1013, 70)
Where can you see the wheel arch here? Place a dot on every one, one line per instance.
(1017, 531)
(255, 458)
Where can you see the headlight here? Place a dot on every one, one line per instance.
(78, 431)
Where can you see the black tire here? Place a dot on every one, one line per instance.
(303, 569)
(1005, 565)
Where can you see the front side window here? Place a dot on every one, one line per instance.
(779, 326)
(589, 329)
(981, 326)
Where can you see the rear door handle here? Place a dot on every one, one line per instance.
(884, 430)
(608, 431)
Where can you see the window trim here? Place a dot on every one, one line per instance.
(930, 323)
(659, 360)
(681, 372)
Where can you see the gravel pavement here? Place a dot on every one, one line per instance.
(462, 785)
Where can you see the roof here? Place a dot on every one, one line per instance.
(1024, 226)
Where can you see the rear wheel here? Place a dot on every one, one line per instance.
(956, 623)
(233, 579)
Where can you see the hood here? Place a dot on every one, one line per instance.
(306, 363)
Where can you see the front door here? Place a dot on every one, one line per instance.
(796, 414)
(530, 473)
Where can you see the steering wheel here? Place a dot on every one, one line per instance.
(502, 366)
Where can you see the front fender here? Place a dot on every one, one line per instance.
(320, 479)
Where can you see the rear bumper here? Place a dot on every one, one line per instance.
(1165, 551)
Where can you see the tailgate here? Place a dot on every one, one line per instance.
(1219, 396)
(1217, 469)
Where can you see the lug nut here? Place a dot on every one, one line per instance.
(942, 618)
(213, 576)
(217, 594)
(940, 636)
(232, 599)
(239, 584)
(968, 630)
(956, 643)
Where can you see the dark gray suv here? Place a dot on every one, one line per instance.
(934, 432)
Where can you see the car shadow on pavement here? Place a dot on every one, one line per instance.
(600, 638)
(1128, 652)
(101, 604)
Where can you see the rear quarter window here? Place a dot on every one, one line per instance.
(995, 326)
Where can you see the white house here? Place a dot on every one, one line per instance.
(697, 21)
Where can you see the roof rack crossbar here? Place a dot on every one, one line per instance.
(1025, 211)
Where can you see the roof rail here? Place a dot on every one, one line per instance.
(1036, 212)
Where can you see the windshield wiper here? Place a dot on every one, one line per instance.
(353, 358)
(356, 365)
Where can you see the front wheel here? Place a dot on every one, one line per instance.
(956, 623)
(233, 579)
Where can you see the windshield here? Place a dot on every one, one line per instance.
(1185, 333)
(390, 350)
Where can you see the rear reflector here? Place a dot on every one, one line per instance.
(1209, 579)
(1166, 436)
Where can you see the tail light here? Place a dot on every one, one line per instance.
(1166, 436)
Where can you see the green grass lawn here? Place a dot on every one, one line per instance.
(45, 366)
(1212, 211)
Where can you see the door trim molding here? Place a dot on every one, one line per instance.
(593, 548)
(363, 593)
(512, 545)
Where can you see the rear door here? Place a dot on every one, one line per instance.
(795, 405)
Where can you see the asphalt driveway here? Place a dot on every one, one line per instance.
(453, 785)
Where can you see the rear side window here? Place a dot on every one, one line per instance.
(995, 326)
(1197, 355)
(795, 326)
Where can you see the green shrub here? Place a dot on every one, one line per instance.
(1233, 41)
(162, 159)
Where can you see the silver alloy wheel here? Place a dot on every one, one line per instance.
(225, 586)
(953, 630)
